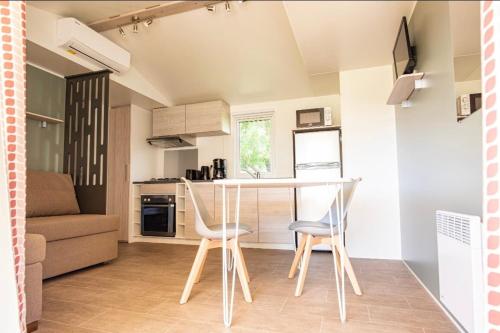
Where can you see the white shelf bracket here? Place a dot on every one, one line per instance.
(420, 84)
(406, 104)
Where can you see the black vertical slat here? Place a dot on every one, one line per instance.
(91, 101)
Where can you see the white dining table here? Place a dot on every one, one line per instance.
(337, 187)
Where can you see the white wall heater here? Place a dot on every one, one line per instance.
(461, 267)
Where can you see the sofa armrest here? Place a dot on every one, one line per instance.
(35, 248)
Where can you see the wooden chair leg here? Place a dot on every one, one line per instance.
(202, 250)
(242, 258)
(348, 267)
(205, 254)
(305, 265)
(240, 268)
(296, 259)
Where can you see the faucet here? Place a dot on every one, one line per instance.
(254, 174)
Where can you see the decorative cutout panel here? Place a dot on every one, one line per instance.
(86, 138)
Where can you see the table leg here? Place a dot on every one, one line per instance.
(339, 207)
(227, 304)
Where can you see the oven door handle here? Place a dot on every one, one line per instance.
(157, 205)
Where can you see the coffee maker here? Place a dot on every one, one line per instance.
(220, 167)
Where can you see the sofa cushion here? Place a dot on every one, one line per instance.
(70, 226)
(50, 193)
(35, 248)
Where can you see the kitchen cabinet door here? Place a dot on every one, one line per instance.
(169, 121)
(275, 213)
(248, 210)
(206, 191)
(209, 118)
(118, 184)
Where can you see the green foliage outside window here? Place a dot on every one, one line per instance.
(255, 145)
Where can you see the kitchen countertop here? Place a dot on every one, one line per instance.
(150, 182)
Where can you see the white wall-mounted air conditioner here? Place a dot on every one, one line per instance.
(460, 267)
(78, 39)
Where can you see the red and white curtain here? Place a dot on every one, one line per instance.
(12, 165)
(490, 44)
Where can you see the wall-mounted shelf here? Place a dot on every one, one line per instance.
(404, 87)
(43, 118)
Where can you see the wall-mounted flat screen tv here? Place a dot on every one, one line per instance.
(403, 53)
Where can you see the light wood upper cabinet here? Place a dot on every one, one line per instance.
(248, 210)
(274, 215)
(169, 121)
(210, 118)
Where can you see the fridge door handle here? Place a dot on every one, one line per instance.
(317, 165)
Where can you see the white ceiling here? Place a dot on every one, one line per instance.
(262, 50)
(343, 35)
(465, 27)
(89, 11)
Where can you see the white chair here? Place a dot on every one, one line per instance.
(212, 238)
(318, 232)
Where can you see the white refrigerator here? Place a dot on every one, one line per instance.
(317, 155)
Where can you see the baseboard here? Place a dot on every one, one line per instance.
(445, 310)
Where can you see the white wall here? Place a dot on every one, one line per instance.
(369, 151)
(284, 122)
(146, 160)
(467, 87)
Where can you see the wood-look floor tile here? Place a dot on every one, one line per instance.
(46, 326)
(118, 321)
(334, 325)
(69, 312)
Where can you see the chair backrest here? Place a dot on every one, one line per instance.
(349, 189)
(202, 217)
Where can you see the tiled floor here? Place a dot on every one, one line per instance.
(139, 293)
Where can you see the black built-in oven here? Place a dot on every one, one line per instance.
(158, 215)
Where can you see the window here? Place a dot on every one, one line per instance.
(254, 144)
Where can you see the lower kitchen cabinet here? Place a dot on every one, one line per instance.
(206, 191)
(275, 209)
(248, 210)
(266, 211)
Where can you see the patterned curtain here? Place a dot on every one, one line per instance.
(13, 164)
(490, 34)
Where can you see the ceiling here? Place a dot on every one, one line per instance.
(465, 24)
(89, 11)
(262, 50)
(334, 36)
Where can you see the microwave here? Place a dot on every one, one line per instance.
(314, 117)
(468, 104)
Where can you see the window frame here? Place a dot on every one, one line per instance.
(249, 116)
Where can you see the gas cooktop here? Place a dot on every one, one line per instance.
(160, 181)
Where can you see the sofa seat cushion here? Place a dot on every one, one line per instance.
(71, 226)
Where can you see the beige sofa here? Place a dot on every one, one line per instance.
(74, 240)
(35, 254)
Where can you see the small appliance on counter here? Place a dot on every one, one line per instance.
(193, 174)
(158, 215)
(220, 167)
(205, 173)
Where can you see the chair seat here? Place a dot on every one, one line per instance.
(313, 228)
(215, 231)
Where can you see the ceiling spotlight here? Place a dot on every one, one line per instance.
(135, 27)
(211, 8)
(147, 22)
(228, 7)
(122, 32)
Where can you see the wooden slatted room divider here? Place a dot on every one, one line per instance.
(86, 138)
